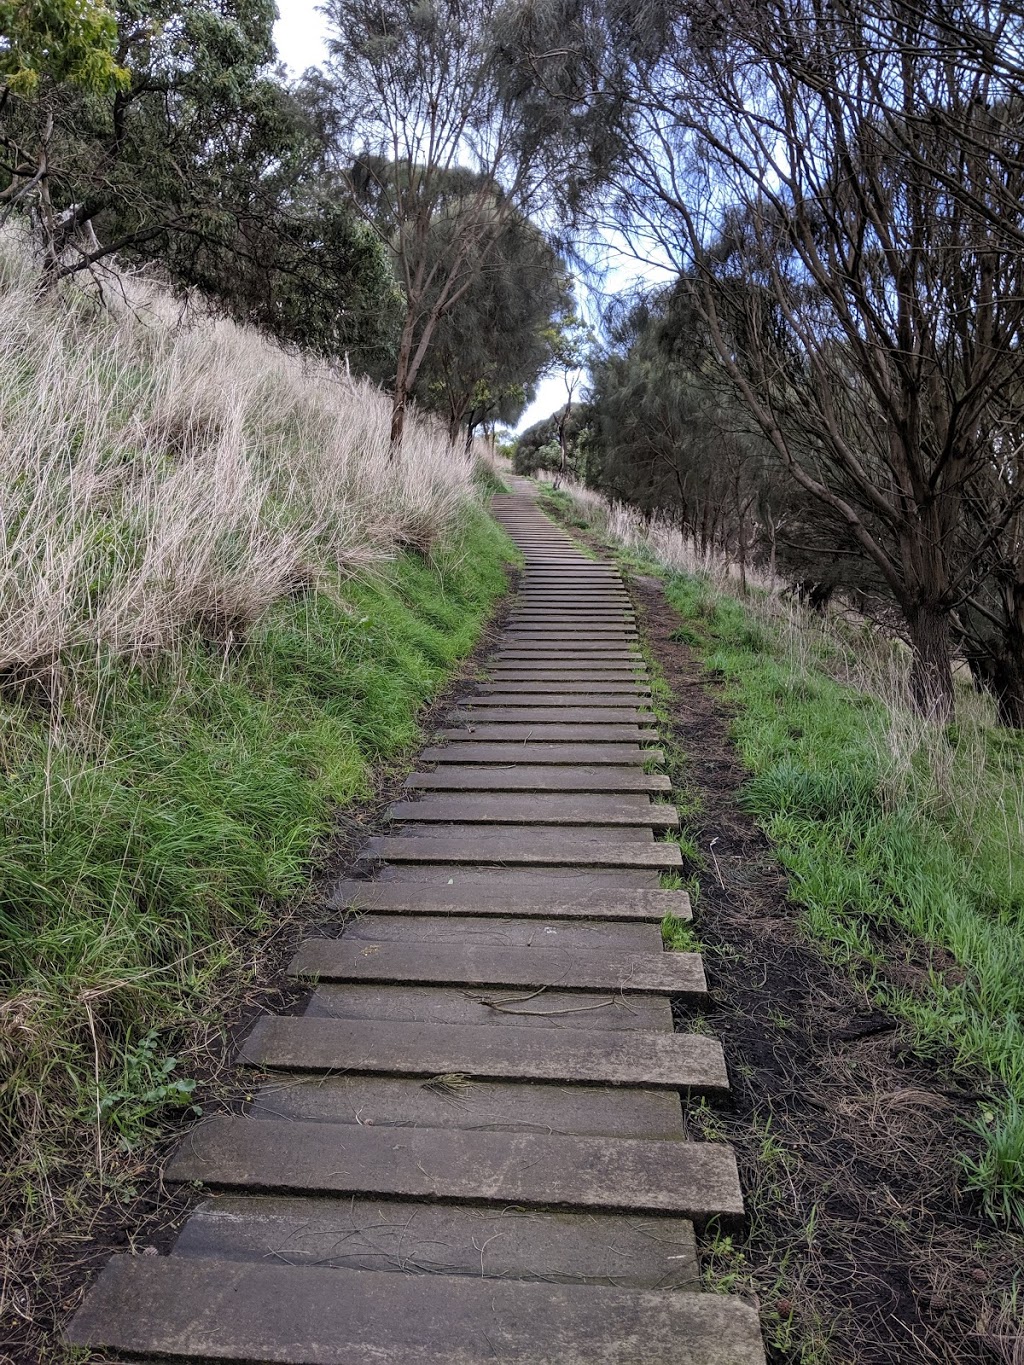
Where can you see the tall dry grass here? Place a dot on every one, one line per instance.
(660, 539)
(161, 473)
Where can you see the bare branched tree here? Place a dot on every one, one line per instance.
(866, 306)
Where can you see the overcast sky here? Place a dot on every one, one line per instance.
(300, 36)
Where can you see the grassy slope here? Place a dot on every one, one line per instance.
(888, 879)
(142, 850)
(904, 843)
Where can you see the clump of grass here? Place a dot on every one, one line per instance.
(163, 477)
(678, 935)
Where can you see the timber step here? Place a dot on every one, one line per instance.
(567, 1056)
(503, 1007)
(513, 931)
(539, 778)
(448, 1102)
(623, 697)
(517, 683)
(546, 732)
(526, 847)
(593, 709)
(632, 668)
(590, 969)
(538, 810)
(694, 1180)
(518, 634)
(569, 755)
(575, 649)
(577, 619)
(198, 1309)
(548, 656)
(521, 877)
(568, 837)
(502, 712)
(548, 899)
(399, 1236)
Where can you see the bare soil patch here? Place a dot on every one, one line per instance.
(861, 1248)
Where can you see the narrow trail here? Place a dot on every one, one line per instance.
(470, 1148)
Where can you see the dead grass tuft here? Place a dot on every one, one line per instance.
(163, 475)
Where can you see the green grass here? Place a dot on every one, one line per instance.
(156, 827)
(917, 876)
(488, 481)
(678, 935)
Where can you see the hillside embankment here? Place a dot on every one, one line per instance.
(223, 605)
(858, 873)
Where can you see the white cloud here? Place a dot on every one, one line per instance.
(300, 34)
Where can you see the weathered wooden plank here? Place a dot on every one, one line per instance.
(593, 969)
(539, 778)
(261, 1312)
(512, 808)
(540, 732)
(399, 1236)
(490, 1007)
(475, 1105)
(557, 754)
(529, 848)
(694, 1180)
(502, 711)
(548, 898)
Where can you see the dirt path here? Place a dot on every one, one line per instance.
(470, 1146)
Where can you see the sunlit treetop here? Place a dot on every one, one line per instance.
(58, 40)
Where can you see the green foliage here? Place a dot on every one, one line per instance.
(144, 850)
(490, 347)
(487, 479)
(997, 1171)
(59, 40)
(538, 446)
(146, 1086)
(667, 436)
(201, 160)
(678, 935)
(891, 874)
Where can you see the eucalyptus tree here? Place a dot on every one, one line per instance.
(435, 121)
(46, 49)
(175, 142)
(669, 436)
(492, 345)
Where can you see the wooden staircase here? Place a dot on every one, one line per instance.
(470, 1149)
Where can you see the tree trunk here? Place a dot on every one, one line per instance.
(931, 676)
(400, 400)
(1009, 690)
(397, 423)
(997, 667)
